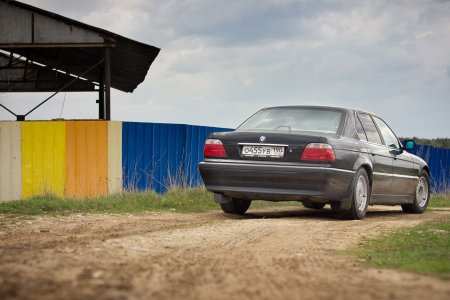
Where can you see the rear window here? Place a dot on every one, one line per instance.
(295, 119)
(370, 129)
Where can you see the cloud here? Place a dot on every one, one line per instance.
(223, 60)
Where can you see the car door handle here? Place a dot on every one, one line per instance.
(395, 152)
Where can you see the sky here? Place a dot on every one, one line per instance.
(221, 61)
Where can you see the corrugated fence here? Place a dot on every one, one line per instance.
(438, 159)
(94, 158)
(84, 159)
(10, 161)
(64, 158)
(43, 158)
(156, 156)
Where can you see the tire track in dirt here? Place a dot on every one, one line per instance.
(270, 253)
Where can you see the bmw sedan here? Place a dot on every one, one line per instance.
(317, 155)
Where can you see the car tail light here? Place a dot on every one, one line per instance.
(318, 152)
(214, 148)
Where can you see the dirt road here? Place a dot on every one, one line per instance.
(271, 253)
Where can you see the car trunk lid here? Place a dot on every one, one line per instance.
(292, 143)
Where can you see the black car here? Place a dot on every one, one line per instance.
(317, 155)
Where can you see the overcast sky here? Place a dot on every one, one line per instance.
(223, 60)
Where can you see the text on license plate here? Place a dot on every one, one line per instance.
(263, 151)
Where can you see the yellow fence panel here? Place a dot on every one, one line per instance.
(114, 157)
(87, 159)
(10, 162)
(43, 158)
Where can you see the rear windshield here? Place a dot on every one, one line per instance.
(294, 119)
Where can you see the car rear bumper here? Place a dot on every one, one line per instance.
(277, 182)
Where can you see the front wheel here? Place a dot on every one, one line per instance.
(360, 197)
(236, 206)
(422, 196)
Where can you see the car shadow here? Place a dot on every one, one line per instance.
(303, 213)
(384, 213)
(298, 213)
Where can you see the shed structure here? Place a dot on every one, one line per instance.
(41, 51)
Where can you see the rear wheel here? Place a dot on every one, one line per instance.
(236, 206)
(421, 197)
(360, 197)
(313, 205)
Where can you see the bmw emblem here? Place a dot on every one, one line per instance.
(262, 139)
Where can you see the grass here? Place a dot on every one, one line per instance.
(440, 200)
(423, 249)
(177, 200)
(183, 200)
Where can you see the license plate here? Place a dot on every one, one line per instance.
(262, 151)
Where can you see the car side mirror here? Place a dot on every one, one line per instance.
(409, 145)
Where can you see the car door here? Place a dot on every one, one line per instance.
(382, 160)
(404, 173)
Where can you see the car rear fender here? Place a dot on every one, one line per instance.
(363, 161)
(366, 165)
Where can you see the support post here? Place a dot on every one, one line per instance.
(101, 96)
(107, 83)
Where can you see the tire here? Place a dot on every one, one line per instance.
(421, 197)
(236, 206)
(360, 197)
(313, 205)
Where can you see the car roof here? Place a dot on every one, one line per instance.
(323, 107)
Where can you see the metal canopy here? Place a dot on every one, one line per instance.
(43, 51)
(23, 75)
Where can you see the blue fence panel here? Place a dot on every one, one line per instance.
(158, 156)
(136, 146)
(438, 160)
(195, 140)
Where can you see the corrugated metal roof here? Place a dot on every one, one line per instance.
(130, 60)
(25, 76)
